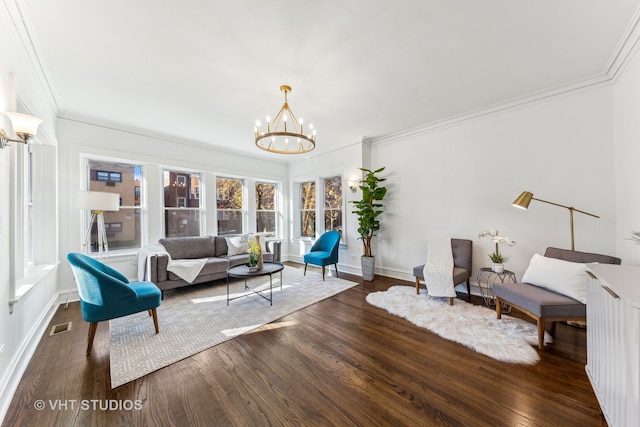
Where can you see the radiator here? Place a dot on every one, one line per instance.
(613, 348)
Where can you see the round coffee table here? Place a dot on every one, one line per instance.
(242, 272)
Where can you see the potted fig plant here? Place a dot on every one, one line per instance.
(368, 209)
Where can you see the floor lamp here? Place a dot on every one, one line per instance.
(526, 197)
(97, 202)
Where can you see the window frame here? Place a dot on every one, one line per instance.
(319, 205)
(226, 211)
(182, 177)
(324, 208)
(140, 207)
(276, 205)
(32, 204)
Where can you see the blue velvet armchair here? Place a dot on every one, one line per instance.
(106, 294)
(324, 252)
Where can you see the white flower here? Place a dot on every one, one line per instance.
(496, 238)
(490, 232)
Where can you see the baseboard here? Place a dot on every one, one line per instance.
(11, 379)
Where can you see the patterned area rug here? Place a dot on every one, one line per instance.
(474, 326)
(195, 318)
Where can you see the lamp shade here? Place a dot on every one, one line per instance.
(24, 123)
(98, 201)
(523, 200)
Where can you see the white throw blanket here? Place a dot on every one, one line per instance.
(186, 269)
(438, 270)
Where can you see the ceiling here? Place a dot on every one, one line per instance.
(206, 70)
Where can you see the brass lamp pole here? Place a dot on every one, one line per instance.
(526, 197)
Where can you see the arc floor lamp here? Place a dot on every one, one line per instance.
(526, 197)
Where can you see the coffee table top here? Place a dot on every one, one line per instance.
(243, 271)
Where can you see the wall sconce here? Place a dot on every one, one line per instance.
(526, 197)
(353, 185)
(25, 127)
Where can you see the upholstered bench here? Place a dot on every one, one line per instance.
(543, 304)
(462, 250)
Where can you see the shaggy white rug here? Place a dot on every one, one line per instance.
(508, 339)
(195, 318)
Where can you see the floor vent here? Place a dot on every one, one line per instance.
(62, 327)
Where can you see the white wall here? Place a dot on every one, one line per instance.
(458, 180)
(627, 160)
(464, 179)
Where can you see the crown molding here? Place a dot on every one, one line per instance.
(626, 47)
(500, 108)
(117, 127)
(26, 34)
(624, 50)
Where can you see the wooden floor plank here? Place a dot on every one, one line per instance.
(338, 362)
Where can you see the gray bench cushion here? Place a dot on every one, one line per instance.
(539, 301)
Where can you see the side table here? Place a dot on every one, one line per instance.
(486, 278)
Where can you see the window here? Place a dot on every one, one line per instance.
(308, 209)
(229, 202)
(29, 197)
(266, 207)
(33, 240)
(111, 228)
(321, 206)
(333, 203)
(126, 180)
(108, 176)
(181, 206)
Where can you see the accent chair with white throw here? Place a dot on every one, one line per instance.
(554, 288)
(450, 258)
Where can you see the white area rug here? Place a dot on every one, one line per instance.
(509, 339)
(193, 319)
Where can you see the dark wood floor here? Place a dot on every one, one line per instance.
(340, 362)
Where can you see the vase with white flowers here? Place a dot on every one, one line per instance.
(496, 257)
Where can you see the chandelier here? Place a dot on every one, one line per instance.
(285, 133)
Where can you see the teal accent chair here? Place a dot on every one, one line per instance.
(106, 294)
(324, 252)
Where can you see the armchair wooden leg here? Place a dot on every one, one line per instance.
(450, 300)
(323, 273)
(336, 265)
(92, 334)
(469, 290)
(498, 308)
(305, 269)
(154, 313)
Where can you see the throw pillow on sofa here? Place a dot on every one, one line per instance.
(564, 277)
(237, 245)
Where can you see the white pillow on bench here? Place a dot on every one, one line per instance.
(564, 277)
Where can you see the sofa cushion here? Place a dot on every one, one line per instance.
(564, 277)
(192, 247)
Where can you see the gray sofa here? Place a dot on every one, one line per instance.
(213, 248)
